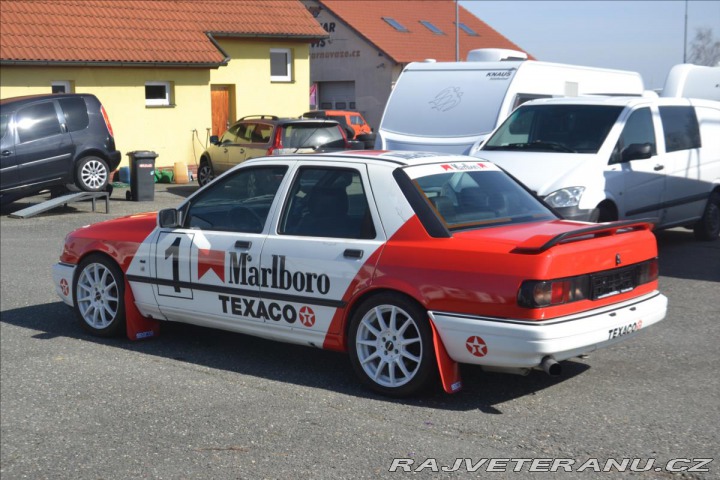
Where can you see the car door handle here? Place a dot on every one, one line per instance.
(6, 153)
(352, 253)
(658, 167)
(243, 244)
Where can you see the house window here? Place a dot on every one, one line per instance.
(395, 24)
(280, 65)
(467, 30)
(432, 27)
(157, 94)
(61, 86)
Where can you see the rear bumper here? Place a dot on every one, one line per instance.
(503, 343)
(114, 158)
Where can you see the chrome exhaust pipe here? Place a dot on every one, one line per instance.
(550, 366)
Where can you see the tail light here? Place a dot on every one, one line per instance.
(277, 141)
(107, 120)
(594, 286)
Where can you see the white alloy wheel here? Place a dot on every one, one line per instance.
(391, 345)
(92, 175)
(99, 292)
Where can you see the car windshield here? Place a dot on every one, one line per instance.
(312, 135)
(555, 128)
(477, 198)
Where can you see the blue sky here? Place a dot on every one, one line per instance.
(642, 36)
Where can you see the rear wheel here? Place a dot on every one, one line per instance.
(708, 227)
(98, 295)
(390, 344)
(205, 173)
(92, 174)
(605, 212)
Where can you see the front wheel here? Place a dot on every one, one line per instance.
(390, 344)
(708, 227)
(98, 294)
(92, 174)
(205, 173)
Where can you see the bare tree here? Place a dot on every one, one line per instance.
(704, 49)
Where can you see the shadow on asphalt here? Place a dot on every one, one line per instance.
(681, 256)
(282, 362)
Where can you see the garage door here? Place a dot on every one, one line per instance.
(337, 95)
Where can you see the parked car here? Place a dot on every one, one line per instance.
(259, 135)
(409, 262)
(608, 158)
(50, 141)
(353, 121)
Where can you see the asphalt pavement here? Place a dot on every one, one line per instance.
(203, 404)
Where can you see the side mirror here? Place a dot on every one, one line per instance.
(356, 145)
(168, 218)
(215, 140)
(636, 151)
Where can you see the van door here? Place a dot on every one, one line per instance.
(638, 184)
(686, 192)
(44, 150)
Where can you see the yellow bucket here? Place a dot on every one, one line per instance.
(181, 173)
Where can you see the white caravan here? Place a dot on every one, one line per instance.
(694, 81)
(449, 106)
(598, 159)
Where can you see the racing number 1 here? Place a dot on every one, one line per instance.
(174, 251)
(172, 264)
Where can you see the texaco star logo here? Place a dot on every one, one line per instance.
(476, 346)
(307, 316)
(64, 287)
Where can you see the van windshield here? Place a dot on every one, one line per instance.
(446, 103)
(555, 128)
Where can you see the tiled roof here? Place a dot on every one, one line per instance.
(146, 32)
(419, 43)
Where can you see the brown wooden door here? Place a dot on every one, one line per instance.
(220, 104)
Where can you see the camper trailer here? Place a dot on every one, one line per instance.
(449, 106)
(693, 81)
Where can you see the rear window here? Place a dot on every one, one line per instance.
(4, 121)
(446, 103)
(76, 115)
(471, 195)
(310, 135)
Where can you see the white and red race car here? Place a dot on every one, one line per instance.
(411, 262)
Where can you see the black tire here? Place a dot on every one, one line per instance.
(708, 227)
(92, 174)
(390, 345)
(368, 139)
(205, 173)
(98, 296)
(604, 213)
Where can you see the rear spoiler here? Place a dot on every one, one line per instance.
(540, 243)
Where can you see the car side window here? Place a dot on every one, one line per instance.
(327, 202)
(75, 111)
(230, 136)
(239, 202)
(638, 130)
(681, 128)
(37, 121)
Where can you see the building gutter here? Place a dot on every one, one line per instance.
(74, 63)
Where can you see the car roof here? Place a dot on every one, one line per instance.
(617, 101)
(284, 121)
(42, 96)
(396, 158)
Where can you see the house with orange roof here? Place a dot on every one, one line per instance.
(170, 73)
(370, 43)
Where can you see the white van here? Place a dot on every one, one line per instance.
(448, 106)
(600, 159)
